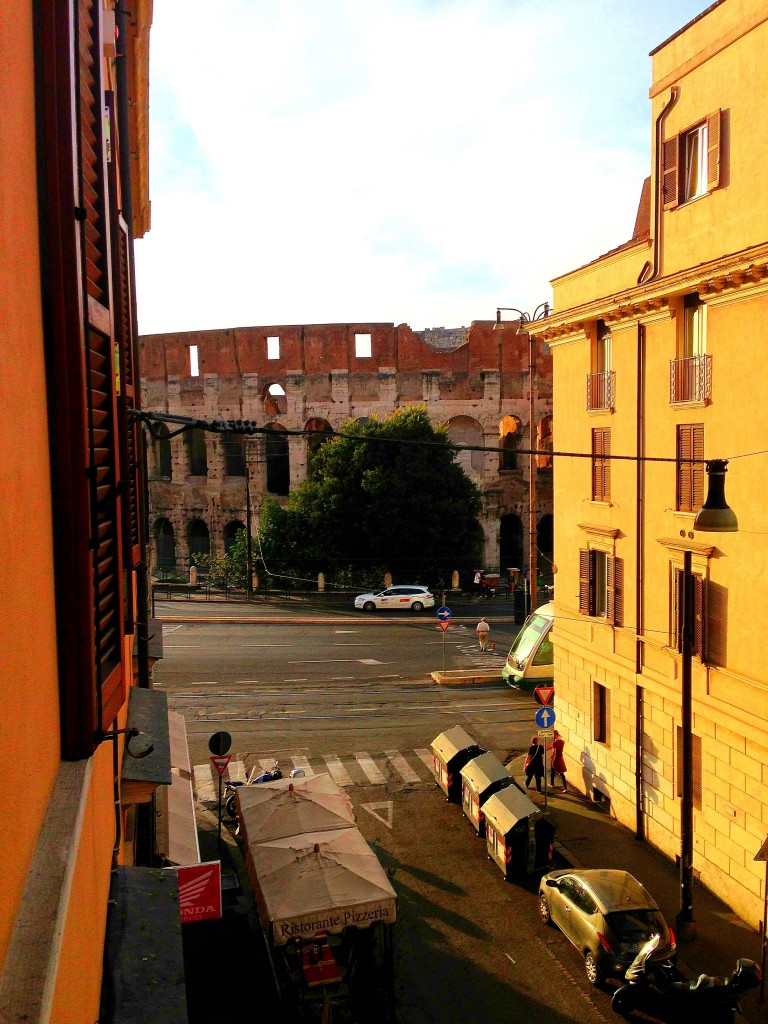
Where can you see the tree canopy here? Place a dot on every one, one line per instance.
(389, 495)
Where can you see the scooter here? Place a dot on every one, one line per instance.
(231, 786)
(653, 988)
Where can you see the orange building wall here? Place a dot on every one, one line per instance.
(29, 719)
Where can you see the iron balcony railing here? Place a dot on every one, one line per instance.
(690, 379)
(601, 390)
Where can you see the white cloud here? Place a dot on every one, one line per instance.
(406, 161)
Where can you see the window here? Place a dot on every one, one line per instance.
(196, 452)
(194, 366)
(273, 348)
(698, 638)
(508, 452)
(695, 767)
(690, 467)
(601, 713)
(234, 455)
(601, 382)
(601, 464)
(363, 346)
(603, 349)
(601, 585)
(694, 327)
(690, 162)
(163, 455)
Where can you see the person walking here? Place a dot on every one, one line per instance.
(483, 629)
(534, 764)
(557, 764)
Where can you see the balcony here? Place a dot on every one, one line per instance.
(690, 379)
(601, 390)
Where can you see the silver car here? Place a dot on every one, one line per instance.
(607, 915)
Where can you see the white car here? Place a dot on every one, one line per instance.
(414, 598)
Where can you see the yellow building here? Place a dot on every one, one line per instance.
(660, 352)
(78, 801)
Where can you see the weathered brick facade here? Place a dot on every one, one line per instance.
(313, 376)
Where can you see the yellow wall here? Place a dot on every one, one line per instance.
(29, 716)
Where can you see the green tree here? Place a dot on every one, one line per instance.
(390, 494)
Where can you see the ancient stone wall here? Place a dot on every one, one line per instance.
(317, 375)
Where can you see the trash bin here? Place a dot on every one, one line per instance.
(518, 836)
(481, 778)
(451, 750)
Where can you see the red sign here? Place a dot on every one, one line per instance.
(443, 625)
(544, 694)
(200, 892)
(220, 763)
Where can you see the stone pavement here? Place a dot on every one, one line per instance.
(588, 837)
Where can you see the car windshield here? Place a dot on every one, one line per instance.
(529, 636)
(632, 925)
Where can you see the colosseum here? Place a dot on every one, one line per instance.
(476, 380)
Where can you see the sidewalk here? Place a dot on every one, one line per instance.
(588, 837)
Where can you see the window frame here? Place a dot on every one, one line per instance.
(614, 586)
(690, 475)
(699, 638)
(601, 464)
(673, 160)
(601, 713)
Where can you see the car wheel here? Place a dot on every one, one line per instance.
(594, 974)
(369, 606)
(544, 913)
(625, 1000)
(417, 606)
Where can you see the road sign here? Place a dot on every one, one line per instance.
(544, 694)
(545, 736)
(443, 624)
(544, 718)
(220, 763)
(444, 614)
(220, 743)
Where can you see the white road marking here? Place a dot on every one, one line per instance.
(339, 661)
(346, 631)
(170, 629)
(268, 645)
(368, 765)
(373, 661)
(205, 788)
(203, 682)
(427, 758)
(303, 679)
(384, 805)
(239, 682)
(303, 763)
(337, 771)
(401, 766)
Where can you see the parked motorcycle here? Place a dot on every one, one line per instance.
(231, 786)
(655, 989)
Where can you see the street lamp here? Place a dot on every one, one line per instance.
(539, 313)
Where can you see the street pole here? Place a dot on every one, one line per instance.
(685, 920)
(248, 544)
(533, 573)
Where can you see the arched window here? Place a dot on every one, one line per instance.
(231, 531)
(511, 542)
(162, 450)
(196, 451)
(510, 432)
(316, 441)
(464, 430)
(544, 538)
(234, 454)
(544, 440)
(278, 463)
(198, 540)
(165, 544)
(275, 402)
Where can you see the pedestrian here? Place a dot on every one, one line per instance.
(557, 764)
(534, 764)
(483, 629)
(478, 581)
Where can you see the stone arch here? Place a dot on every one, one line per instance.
(161, 446)
(231, 530)
(316, 441)
(197, 454)
(274, 399)
(544, 440)
(198, 539)
(545, 539)
(234, 454)
(511, 542)
(466, 430)
(510, 432)
(165, 543)
(277, 459)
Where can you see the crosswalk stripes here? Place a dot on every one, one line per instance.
(357, 769)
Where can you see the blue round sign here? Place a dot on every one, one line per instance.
(545, 718)
(444, 614)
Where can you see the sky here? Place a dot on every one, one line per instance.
(397, 161)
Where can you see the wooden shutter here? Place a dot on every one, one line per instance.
(698, 616)
(586, 582)
(690, 473)
(697, 468)
(615, 586)
(714, 122)
(601, 465)
(92, 171)
(677, 624)
(669, 172)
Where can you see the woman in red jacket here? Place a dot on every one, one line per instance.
(557, 764)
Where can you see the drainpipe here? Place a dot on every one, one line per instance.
(639, 606)
(658, 192)
(124, 148)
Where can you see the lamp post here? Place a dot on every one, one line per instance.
(539, 313)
